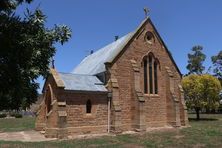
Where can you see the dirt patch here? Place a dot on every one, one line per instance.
(30, 136)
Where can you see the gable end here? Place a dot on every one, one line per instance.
(136, 33)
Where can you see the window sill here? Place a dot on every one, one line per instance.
(152, 95)
(89, 115)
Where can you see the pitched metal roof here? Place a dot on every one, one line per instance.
(94, 63)
(82, 82)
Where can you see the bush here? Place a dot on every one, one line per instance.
(12, 114)
(18, 116)
(2, 115)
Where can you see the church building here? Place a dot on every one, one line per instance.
(132, 84)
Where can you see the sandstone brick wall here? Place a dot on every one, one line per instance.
(158, 108)
(42, 120)
(72, 105)
(80, 122)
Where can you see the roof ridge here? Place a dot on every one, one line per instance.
(109, 44)
(113, 42)
(75, 74)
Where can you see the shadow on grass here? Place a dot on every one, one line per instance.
(203, 119)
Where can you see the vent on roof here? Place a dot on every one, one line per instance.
(116, 37)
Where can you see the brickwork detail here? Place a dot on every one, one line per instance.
(175, 102)
(139, 122)
(184, 117)
(115, 104)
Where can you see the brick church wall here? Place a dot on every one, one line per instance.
(80, 122)
(69, 115)
(156, 106)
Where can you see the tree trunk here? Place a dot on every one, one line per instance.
(197, 109)
(207, 110)
(213, 111)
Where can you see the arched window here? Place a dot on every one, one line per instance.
(48, 99)
(88, 106)
(49, 106)
(150, 68)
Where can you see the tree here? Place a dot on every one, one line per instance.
(217, 64)
(195, 60)
(10, 5)
(201, 91)
(26, 47)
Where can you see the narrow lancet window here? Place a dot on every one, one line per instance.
(155, 78)
(88, 106)
(150, 74)
(145, 76)
(48, 100)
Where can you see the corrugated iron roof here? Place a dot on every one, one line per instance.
(82, 82)
(94, 63)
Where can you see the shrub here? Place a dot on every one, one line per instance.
(18, 115)
(12, 114)
(2, 115)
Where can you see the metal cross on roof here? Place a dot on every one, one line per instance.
(146, 11)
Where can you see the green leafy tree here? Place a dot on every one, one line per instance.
(195, 60)
(217, 64)
(26, 47)
(7, 6)
(201, 91)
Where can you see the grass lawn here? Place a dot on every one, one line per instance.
(16, 124)
(203, 133)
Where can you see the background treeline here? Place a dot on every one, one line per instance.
(202, 88)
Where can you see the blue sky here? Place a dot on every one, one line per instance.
(94, 23)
